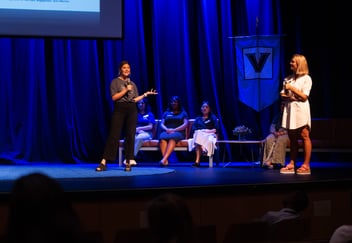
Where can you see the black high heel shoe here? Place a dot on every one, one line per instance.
(196, 164)
(101, 167)
(128, 166)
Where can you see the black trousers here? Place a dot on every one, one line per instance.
(125, 117)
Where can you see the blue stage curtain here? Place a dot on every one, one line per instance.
(54, 93)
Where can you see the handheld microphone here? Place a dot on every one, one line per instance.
(287, 92)
(128, 82)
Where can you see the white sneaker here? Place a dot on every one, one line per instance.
(132, 162)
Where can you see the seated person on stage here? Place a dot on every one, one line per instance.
(145, 123)
(173, 123)
(204, 130)
(275, 144)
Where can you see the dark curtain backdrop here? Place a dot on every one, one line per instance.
(54, 93)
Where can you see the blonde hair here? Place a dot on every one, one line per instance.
(302, 65)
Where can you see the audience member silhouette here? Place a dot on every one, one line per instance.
(293, 205)
(39, 212)
(342, 234)
(170, 220)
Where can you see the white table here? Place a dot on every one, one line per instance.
(259, 142)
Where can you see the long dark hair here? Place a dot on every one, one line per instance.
(205, 102)
(178, 100)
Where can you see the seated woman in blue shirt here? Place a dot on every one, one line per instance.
(144, 127)
(204, 130)
(173, 123)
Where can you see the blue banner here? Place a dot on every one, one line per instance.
(258, 60)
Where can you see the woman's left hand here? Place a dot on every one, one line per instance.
(151, 92)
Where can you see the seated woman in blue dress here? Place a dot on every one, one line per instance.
(173, 123)
(204, 130)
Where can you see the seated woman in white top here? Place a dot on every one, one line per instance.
(204, 130)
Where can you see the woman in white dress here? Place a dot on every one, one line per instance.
(296, 115)
(204, 130)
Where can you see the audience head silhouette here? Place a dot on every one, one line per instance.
(169, 219)
(40, 212)
(297, 200)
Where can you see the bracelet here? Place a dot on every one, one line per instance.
(144, 95)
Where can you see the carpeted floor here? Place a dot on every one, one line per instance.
(64, 171)
(82, 181)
